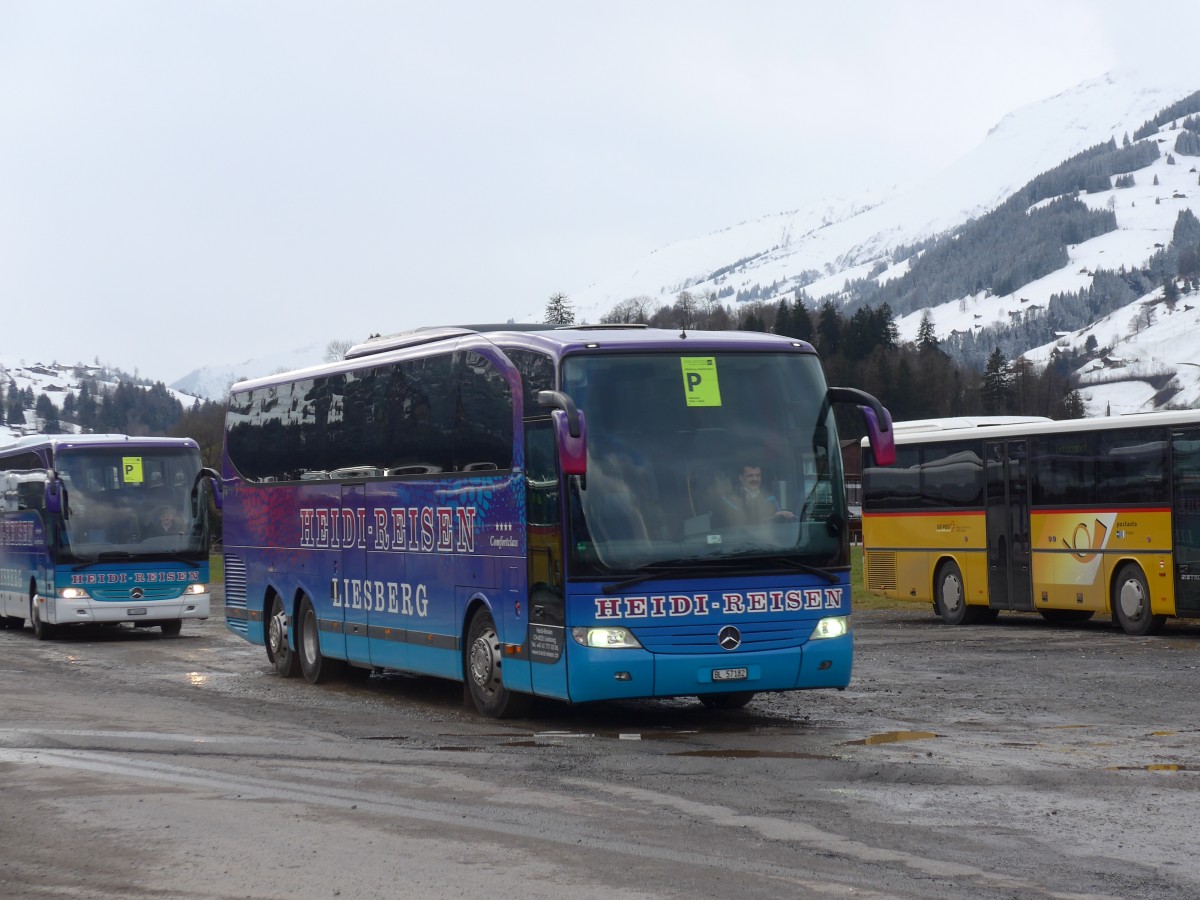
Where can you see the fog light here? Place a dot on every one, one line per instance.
(623, 676)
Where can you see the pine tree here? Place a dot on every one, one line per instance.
(802, 326)
(996, 390)
(927, 339)
(48, 413)
(558, 310)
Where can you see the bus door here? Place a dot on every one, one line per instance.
(1008, 544)
(352, 574)
(1185, 474)
(386, 565)
(544, 536)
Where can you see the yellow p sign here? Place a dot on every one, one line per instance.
(131, 469)
(700, 385)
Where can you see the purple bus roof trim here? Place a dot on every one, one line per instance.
(67, 441)
(558, 342)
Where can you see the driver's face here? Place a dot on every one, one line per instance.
(751, 477)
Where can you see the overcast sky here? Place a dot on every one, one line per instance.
(201, 181)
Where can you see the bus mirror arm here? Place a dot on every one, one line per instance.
(878, 419)
(559, 400)
(211, 474)
(570, 431)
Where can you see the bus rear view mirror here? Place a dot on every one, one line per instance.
(881, 435)
(54, 495)
(878, 419)
(570, 431)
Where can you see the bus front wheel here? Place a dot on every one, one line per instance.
(1131, 602)
(285, 660)
(481, 671)
(42, 630)
(171, 627)
(735, 700)
(316, 667)
(949, 595)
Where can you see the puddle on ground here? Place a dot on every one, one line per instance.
(1154, 767)
(737, 753)
(893, 737)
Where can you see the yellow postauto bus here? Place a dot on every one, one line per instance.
(1067, 519)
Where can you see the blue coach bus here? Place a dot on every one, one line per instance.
(103, 528)
(578, 513)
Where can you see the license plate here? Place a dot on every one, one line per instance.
(136, 611)
(730, 674)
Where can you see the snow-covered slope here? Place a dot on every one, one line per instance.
(57, 382)
(212, 382)
(842, 238)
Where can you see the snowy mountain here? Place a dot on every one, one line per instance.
(820, 248)
(57, 382)
(213, 382)
(1147, 359)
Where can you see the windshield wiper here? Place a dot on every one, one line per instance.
(719, 564)
(659, 570)
(831, 577)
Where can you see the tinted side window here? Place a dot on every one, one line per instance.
(893, 487)
(1064, 469)
(537, 374)
(484, 433)
(1133, 466)
(951, 476)
(416, 417)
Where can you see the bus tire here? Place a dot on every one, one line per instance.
(285, 660)
(171, 627)
(1131, 602)
(16, 623)
(949, 596)
(735, 700)
(316, 667)
(43, 631)
(482, 664)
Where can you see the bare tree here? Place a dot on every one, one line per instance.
(336, 349)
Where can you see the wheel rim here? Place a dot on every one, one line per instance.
(277, 632)
(951, 593)
(485, 661)
(1132, 600)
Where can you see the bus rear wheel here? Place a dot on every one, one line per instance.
(481, 671)
(285, 660)
(1131, 602)
(316, 667)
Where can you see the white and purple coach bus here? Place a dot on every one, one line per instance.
(103, 528)
(578, 513)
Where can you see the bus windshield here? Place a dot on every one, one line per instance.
(744, 470)
(123, 502)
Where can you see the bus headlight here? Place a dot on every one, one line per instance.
(608, 637)
(199, 588)
(831, 627)
(73, 593)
